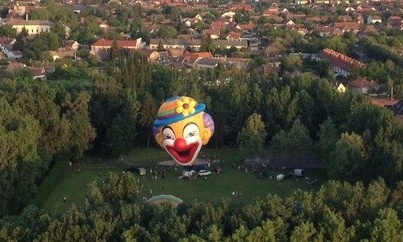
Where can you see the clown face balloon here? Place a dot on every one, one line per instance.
(182, 127)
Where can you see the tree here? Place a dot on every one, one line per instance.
(147, 115)
(45, 41)
(349, 158)
(291, 63)
(281, 109)
(167, 32)
(81, 131)
(328, 136)
(19, 154)
(114, 51)
(120, 135)
(206, 43)
(303, 232)
(7, 30)
(294, 142)
(333, 227)
(252, 137)
(387, 226)
(115, 188)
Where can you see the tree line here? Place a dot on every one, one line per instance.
(338, 211)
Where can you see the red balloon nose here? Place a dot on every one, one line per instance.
(180, 144)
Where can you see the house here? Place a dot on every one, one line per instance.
(239, 63)
(246, 28)
(302, 31)
(79, 8)
(175, 43)
(227, 44)
(175, 52)
(104, 26)
(373, 19)
(18, 9)
(213, 33)
(32, 27)
(164, 57)
(71, 45)
(350, 9)
(229, 15)
(62, 53)
(341, 88)
(347, 26)
(340, 63)
(301, 2)
(233, 36)
(397, 109)
(394, 20)
(206, 63)
(396, 106)
(14, 54)
(6, 42)
(14, 66)
(151, 55)
(101, 47)
(324, 31)
(361, 85)
(189, 59)
(275, 10)
(37, 73)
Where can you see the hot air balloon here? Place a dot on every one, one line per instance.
(182, 127)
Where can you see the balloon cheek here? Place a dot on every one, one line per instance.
(206, 136)
(160, 139)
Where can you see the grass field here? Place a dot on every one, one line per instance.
(74, 185)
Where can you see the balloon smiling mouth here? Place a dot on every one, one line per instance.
(184, 155)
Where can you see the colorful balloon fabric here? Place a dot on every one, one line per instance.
(182, 127)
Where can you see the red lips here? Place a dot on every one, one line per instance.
(182, 152)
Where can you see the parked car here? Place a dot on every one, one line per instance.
(203, 173)
(139, 170)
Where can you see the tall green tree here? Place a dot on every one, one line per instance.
(281, 110)
(295, 142)
(252, 137)
(19, 167)
(147, 115)
(81, 131)
(327, 138)
(349, 158)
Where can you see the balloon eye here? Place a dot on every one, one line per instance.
(191, 130)
(191, 134)
(168, 134)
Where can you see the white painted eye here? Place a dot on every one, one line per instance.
(191, 130)
(168, 134)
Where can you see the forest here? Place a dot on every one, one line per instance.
(108, 109)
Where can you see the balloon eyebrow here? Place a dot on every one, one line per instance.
(168, 127)
(190, 124)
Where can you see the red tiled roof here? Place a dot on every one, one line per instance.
(384, 102)
(192, 57)
(340, 60)
(6, 40)
(120, 43)
(361, 82)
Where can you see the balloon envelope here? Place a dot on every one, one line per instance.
(182, 127)
(172, 200)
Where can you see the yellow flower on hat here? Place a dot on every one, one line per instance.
(186, 106)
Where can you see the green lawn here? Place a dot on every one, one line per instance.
(74, 185)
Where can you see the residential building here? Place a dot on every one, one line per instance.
(340, 63)
(31, 26)
(101, 47)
